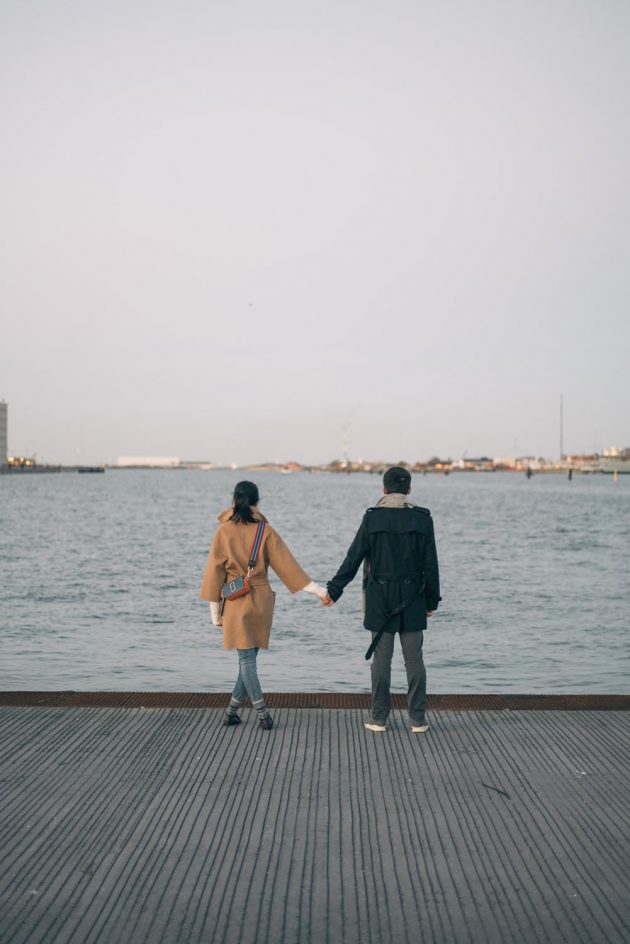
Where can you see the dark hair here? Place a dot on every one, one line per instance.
(397, 479)
(245, 495)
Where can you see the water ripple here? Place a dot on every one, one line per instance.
(100, 578)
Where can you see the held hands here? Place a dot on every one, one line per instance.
(321, 593)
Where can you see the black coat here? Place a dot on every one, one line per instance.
(397, 546)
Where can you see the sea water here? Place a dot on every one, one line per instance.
(100, 576)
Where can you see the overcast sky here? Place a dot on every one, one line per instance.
(230, 229)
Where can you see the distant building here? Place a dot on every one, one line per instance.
(4, 423)
(148, 462)
(615, 459)
(203, 464)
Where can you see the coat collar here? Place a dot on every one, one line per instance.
(225, 515)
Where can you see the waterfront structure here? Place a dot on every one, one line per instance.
(148, 462)
(203, 464)
(615, 459)
(4, 424)
(507, 823)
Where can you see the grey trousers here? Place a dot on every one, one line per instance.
(411, 644)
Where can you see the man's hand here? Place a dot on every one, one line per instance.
(430, 612)
(326, 601)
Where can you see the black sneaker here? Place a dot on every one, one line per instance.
(266, 722)
(229, 720)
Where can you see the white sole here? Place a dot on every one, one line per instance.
(419, 728)
(375, 727)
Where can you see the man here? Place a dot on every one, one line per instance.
(401, 588)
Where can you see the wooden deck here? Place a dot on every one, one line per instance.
(158, 825)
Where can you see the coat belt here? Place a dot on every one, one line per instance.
(406, 577)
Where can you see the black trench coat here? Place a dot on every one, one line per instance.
(397, 547)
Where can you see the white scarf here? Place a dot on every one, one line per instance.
(395, 500)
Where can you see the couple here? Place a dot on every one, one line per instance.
(396, 545)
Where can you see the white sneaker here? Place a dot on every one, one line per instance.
(419, 728)
(375, 726)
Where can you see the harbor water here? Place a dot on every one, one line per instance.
(100, 576)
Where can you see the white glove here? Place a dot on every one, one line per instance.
(215, 613)
(315, 588)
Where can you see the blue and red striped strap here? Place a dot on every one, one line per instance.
(253, 554)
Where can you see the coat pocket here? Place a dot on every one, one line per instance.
(376, 599)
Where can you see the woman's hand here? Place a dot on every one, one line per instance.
(215, 613)
(315, 588)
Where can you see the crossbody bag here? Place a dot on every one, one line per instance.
(239, 586)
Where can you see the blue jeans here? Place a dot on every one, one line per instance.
(247, 682)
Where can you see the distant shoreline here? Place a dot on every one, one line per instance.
(376, 469)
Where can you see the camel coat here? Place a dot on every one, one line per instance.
(247, 620)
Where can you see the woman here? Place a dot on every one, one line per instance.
(247, 620)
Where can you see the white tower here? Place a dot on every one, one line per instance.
(4, 449)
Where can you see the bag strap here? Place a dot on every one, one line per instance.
(253, 554)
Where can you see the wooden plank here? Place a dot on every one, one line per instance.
(438, 702)
(164, 826)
